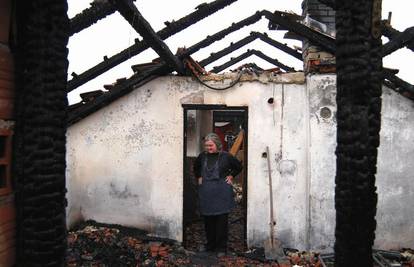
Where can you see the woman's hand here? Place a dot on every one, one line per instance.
(229, 179)
(200, 180)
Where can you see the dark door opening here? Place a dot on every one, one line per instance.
(230, 124)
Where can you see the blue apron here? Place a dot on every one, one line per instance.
(216, 196)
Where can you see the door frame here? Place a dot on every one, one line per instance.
(186, 108)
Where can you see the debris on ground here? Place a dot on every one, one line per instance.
(101, 245)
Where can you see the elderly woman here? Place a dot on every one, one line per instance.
(215, 170)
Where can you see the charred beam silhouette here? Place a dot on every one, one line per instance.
(398, 82)
(221, 34)
(274, 61)
(119, 90)
(203, 10)
(391, 33)
(279, 18)
(91, 15)
(232, 61)
(131, 14)
(399, 40)
(279, 45)
(247, 54)
(233, 46)
(253, 36)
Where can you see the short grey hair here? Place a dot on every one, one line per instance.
(215, 138)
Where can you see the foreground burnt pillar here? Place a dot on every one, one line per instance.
(39, 148)
(359, 67)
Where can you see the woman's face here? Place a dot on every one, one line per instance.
(210, 146)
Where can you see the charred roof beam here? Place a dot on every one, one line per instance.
(233, 46)
(202, 11)
(119, 90)
(399, 40)
(398, 82)
(253, 36)
(98, 10)
(232, 61)
(279, 18)
(247, 54)
(279, 45)
(221, 34)
(273, 61)
(131, 14)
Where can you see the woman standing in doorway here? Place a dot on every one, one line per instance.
(215, 171)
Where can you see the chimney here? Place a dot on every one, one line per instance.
(320, 17)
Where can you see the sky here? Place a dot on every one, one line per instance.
(113, 34)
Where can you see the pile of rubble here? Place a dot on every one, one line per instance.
(99, 245)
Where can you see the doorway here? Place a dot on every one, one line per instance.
(231, 125)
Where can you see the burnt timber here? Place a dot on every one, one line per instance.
(89, 16)
(131, 14)
(172, 28)
(248, 39)
(247, 54)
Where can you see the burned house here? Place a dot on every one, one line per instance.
(129, 147)
(129, 156)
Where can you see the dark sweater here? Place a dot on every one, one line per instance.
(228, 165)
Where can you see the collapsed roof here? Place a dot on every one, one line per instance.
(170, 62)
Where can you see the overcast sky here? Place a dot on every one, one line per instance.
(113, 34)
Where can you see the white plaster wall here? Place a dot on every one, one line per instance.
(125, 161)
(322, 167)
(395, 212)
(395, 179)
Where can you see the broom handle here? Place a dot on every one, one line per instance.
(270, 196)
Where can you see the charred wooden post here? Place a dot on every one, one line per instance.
(39, 141)
(131, 14)
(97, 11)
(359, 66)
(172, 28)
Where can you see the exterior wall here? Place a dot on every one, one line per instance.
(322, 93)
(395, 213)
(395, 210)
(125, 161)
